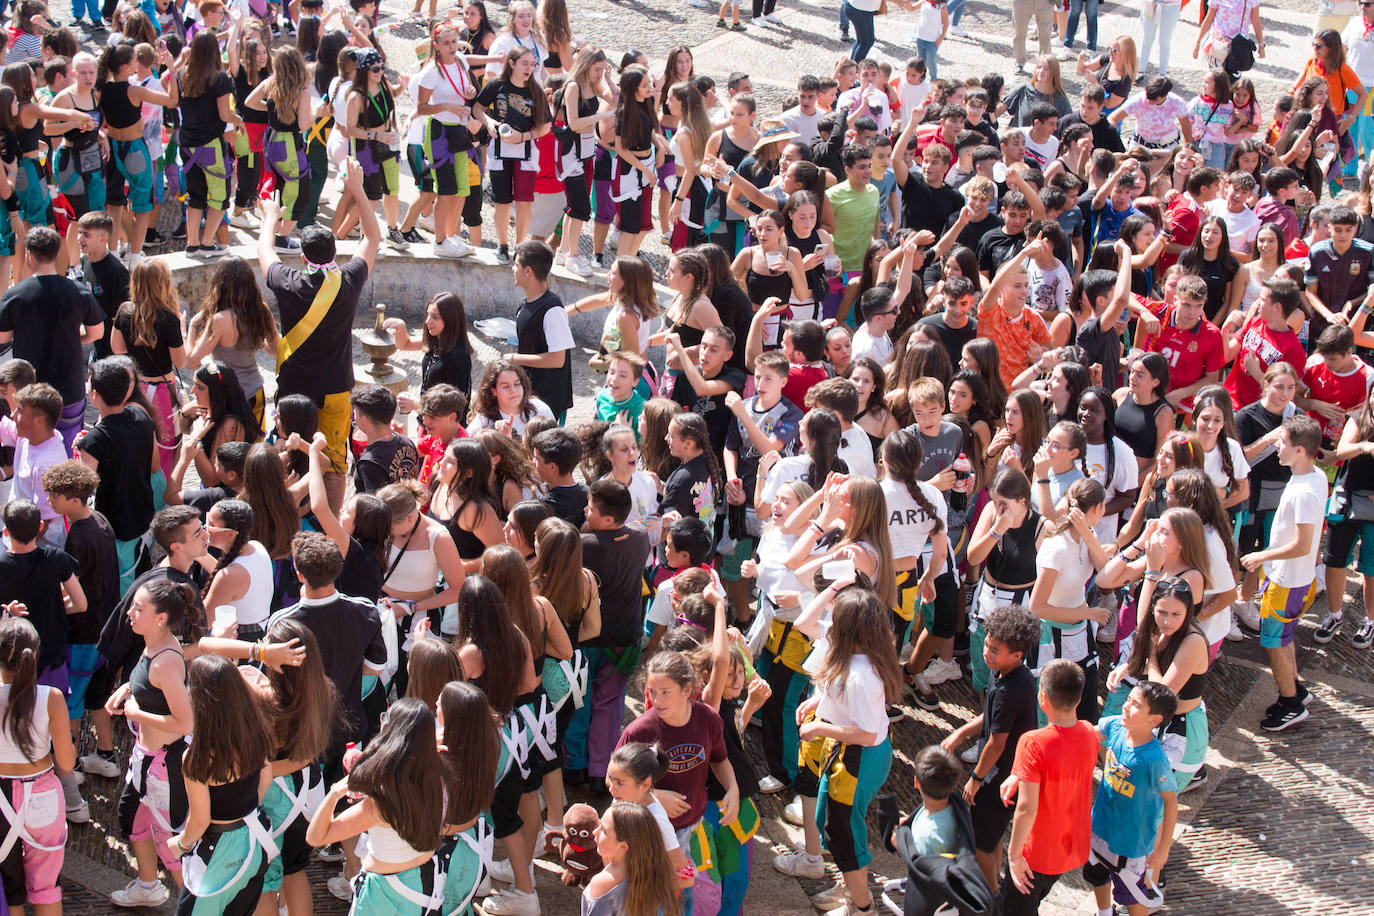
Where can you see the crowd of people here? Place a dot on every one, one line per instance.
(955, 379)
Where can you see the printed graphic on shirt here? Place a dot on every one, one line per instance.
(683, 758)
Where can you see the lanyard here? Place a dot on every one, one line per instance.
(384, 115)
(462, 93)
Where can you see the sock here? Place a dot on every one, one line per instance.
(146, 885)
(1106, 912)
(552, 827)
(104, 754)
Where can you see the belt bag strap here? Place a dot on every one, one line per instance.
(300, 332)
(17, 829)
(305, 803)
(479, 840)
(259, 835)
(431, 902)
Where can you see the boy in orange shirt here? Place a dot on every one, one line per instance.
(1019, 332)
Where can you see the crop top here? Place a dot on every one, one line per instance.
(115, 105)
(77, 138)
(1012, 562)
(10, 752)
(388, 846)
(415, 571)
(235, 800)
(150, 699)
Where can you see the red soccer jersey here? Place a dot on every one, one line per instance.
(1060, 761)
(1347, 391)
(1270, 347)
(1183, 218)
(1191, 354)
(800, 379)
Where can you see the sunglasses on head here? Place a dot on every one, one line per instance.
(1177, 586)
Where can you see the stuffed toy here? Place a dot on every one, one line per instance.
(577, 849)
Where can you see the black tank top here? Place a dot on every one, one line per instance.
(77, 138)
(745, 776)
(762, 287)
(376, 110)
(119, 112)
(815, 277)
(243, 88)
(1135, 425)
(1012, 562)
(29, 138)
(275, 122)
(470, 546)
(235, 800)
(150, 699)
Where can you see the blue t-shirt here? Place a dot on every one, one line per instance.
(934, 833)
(1106, 225)
(1130, 797)
(886, 185)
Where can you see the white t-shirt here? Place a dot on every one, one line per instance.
(857, 452)
(1303, 503)
(415, 124)
(1212, 467)
(557, 333)
(1359, 49)
(786, 470)
(912, 96)
(859, 701)
(1223, 579)
(1125, 477)
(907, 525)
(504, 42)
(1049, 287)
(661, 608)
(537, 409)
(1241, 228)
(1068, 555)
(929, 23)
(1041, 154)
(453, 84)
(665, 826)
(865, 344)
(774, 575)
(643, 498)
(807, 126)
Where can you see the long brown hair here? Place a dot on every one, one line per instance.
(504, 566)
(201, 65)
(276, 519)
(234, 288)
(19, 657)
(404, 776)
(557, 572)
(511, 462)
(1192, 540)
(484, 395)
(637, 292)
(289, 79)
(1139, 662)
(240, 743)
(868, 523)
(150, 291)
(1193, 490)
(485, 625)
(432, 664)
(651, 887)
(861, 624)
(473, 741)
(539, 109)
(306, 705)
(653, 451)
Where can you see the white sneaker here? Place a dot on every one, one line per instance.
(452, 248)
(246, 221)
(770, 784)
(95, 765)
(1321, 578)
(580, 266)
(613, 239)
(512, 903)
(134, 894)
(135, 257)
(939, 671)
(560, 258)
(832, 898)
(340, 887)
(501, 871)
(1247, 613)
(799, 865)
(792, 811)
(426, 223)
(79, 813)
(971, 753)
(773, 18)
(1234, 634)
(958, 31)
(757, 22)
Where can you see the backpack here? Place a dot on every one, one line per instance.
(934, 881)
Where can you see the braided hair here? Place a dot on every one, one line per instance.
(238, 515)
(1108, 429)
(692, 427)
(902, 457)
(1217, 396)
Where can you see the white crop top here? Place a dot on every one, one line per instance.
(416, 571)
(256, 604)
(10, 752)
(388, 846)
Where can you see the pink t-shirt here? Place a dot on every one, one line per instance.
(1157, 123)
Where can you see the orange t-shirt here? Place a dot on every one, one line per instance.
(1338, 82)
(1013, 337)
(1060, 761)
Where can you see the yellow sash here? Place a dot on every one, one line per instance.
(301, 330)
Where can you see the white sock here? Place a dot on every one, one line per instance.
(1105, 912)
(147, 885)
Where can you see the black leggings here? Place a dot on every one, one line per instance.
(247, 175)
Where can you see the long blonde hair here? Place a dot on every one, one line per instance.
(694, 116)
(289, 79)
(151, 292)
(867, 523)
(509, 27)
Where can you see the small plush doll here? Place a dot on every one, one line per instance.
(578, 846)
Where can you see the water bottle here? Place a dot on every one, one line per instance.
(958, 498)
(350, 757)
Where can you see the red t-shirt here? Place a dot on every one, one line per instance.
(1060, 761)
(927, 134)
(691, 749)
(1347, 391)
(1183, 218)
(1191, 354)
(431, 449)
(1271, 347)
(800, 379)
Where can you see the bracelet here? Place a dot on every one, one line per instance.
(1043, 480)
(819, 529)
(1154, 575)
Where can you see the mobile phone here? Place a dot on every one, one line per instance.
(838, 570)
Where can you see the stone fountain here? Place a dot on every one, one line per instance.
(379, 347)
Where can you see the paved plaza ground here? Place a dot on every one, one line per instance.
(1285, 824)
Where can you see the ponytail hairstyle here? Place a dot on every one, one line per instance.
(823, 431)
(433, 663)
(237, 515)
(694, 115)
(19, 659)
(1217, 396)
(1078, 440)
(902, 457)
(651, 885)
(692, 427)
(488, 627)
(240, 744)
(1192, 489)
(113, 59)
(676, 667)
(861, 625)
(179, 601)
(473, 739)
(1011, 483)
(1184, 449)
(305, 707)
(694, 264)
(506, 569)
(641, 761)
(1083, 495)
(403, 774)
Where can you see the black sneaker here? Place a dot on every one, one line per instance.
(598, 259)
(331, 853)
(1289, 713)
(180, 231)
(1199, 780)
(894, 714)
(1364, 636)
(413, 236)
(192, 251)
(393, 235)
(1304, 695)
(503, 254)
(961, 643)
(1330, 626)
(153, 239)
(285, 244)
(289, 26)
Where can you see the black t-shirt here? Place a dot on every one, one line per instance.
(451, 368)
(997, 247)
(924, 207)
(1253, 422)
(384, 462)
(684, 487)
(1105, 135)
(349, 631)
(953, 338)
(47, 315)
(122, 445)
(1009, 707)
(200, 120)
(711, 407)
(1102, 347)
(108, 281)
(736, 312)
(973, 233)
(1216, 275)
(91, 543)
(201, 500)
(617, 558)
(323, 363)
(36, 578)
(154, 361)
(118, 642)
(508, 103)
(568, 503)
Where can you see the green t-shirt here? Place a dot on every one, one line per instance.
(855, 214)
(609, 410)
(935, 834)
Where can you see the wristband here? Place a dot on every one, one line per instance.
(1154, 575)
(819, 529)
(686, 872)
(1043, 480)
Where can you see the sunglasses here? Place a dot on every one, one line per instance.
(1176, 586)
(376, 69)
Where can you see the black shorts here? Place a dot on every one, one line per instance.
(990, 817)
(505, 803)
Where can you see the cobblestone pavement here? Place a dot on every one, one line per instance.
(1258, 839)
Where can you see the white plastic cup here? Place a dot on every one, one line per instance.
(225, 617)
